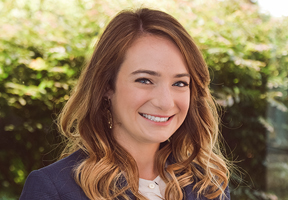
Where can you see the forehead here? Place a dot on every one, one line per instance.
(154, 53)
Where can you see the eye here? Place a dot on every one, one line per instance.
(181, 84)
(143, 81)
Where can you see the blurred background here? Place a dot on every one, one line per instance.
(45, 43)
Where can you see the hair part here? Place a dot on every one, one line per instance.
(194, 146)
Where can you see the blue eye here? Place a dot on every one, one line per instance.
(143, 81)
(180, 84)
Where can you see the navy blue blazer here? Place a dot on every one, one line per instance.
(56, 182)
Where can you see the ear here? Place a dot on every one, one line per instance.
(109, 93)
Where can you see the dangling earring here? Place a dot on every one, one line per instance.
(110, 121)
(109, 115)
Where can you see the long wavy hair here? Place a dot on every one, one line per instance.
(194, 146)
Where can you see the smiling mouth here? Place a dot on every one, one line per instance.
(154, 118)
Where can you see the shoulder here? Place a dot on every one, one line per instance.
(189, 192)
(63, 168)
(55, 181)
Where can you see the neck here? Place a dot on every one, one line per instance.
(143, 152)
(145, 158)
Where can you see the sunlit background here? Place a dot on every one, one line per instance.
(44, 44)
(277, 8)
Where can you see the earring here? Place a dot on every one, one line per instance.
(109, 115)
(110, 121)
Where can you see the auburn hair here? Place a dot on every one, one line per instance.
(194, 146)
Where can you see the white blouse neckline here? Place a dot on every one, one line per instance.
(152, 189)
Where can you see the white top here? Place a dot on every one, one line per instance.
(153, 190)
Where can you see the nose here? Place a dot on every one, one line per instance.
(163, 98)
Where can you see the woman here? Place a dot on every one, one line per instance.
(141, 122)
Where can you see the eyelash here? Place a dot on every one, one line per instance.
(181, 82)
(145, 81)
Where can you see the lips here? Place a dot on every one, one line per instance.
(155, 118)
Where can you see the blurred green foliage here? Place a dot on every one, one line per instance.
(44, 44)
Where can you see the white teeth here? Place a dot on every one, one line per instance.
(155, 119)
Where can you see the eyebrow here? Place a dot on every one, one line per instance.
(150, 72)
(153, 73)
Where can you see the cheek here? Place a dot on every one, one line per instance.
(184, 103)
(136, 98)
(130, 98)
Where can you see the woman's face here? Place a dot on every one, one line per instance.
(152, 94)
